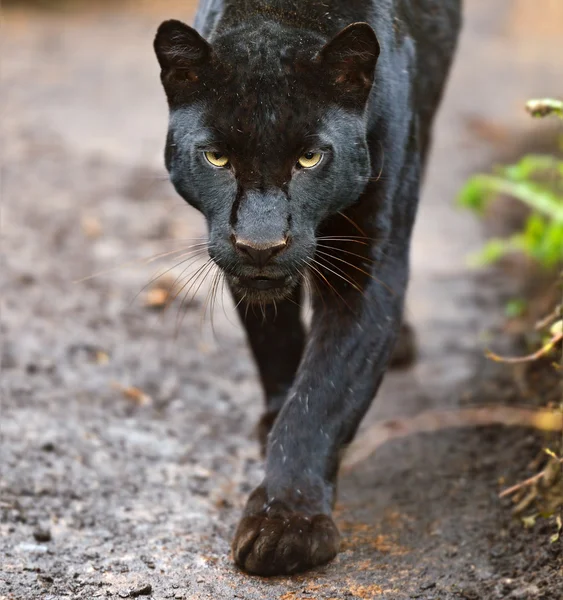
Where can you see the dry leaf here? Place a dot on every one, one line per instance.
(91, 226)
(134, 394)
(157, 297)
(102, 358)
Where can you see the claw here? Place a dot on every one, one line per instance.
(283, 543)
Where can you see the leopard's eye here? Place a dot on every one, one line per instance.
(310, 160)
(217, 159)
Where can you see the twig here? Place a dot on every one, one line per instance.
(531, 357)
(526, 482)
(555, 314)
(430, 421)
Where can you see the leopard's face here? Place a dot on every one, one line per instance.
(267, 145)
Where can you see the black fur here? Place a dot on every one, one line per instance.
(264, 82)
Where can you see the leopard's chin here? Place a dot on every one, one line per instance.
(263, 290)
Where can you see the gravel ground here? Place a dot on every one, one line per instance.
(127, 446)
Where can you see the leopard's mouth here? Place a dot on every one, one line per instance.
(263, 284)
(260, 289)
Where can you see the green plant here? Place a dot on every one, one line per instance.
(537, 182)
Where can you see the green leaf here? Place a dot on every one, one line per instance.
(515, 308)
(492, 251)
(553, 246)
(533, 165)
(530, 521)
(544, 107)
(559, 527)
(474, 195)
(536, 180)
(535, 195)
(534, 231)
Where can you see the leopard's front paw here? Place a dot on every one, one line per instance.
(272, 539)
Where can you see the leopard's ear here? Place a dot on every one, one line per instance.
(181, 50)
(350, 58)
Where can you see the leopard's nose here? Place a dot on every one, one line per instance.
(260, 254)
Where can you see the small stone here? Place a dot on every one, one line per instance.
(42, 535)
(144, 589)
(526, 593)
(148, 561)
(428, 586)
(34, 548)
(123, 594)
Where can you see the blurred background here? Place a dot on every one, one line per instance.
(127, 429)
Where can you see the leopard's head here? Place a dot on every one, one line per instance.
(267, 138)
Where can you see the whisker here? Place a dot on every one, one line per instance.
(308, 282)
(202, 274)
(344, 238)
(214, 285)
(206, 304)
(223, 294)
(198, 247)
(243, 297)
(192, 254)
(380, 242)
(188, 279)
(338, 239)
(207, 300)
(177, 239)
(223, 297)
(369, 260)
(358, 269)
(136, 261)
(343, 277)
(328, 255)
(352, 222)
(178, 281)
(206, 270)
(288, 299)
(217, 290)
(376, 179)
(331, 287)
(382, 248)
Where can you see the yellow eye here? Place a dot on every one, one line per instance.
(310, 160)
(217, 159)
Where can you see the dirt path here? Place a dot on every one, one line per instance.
(102, 495)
